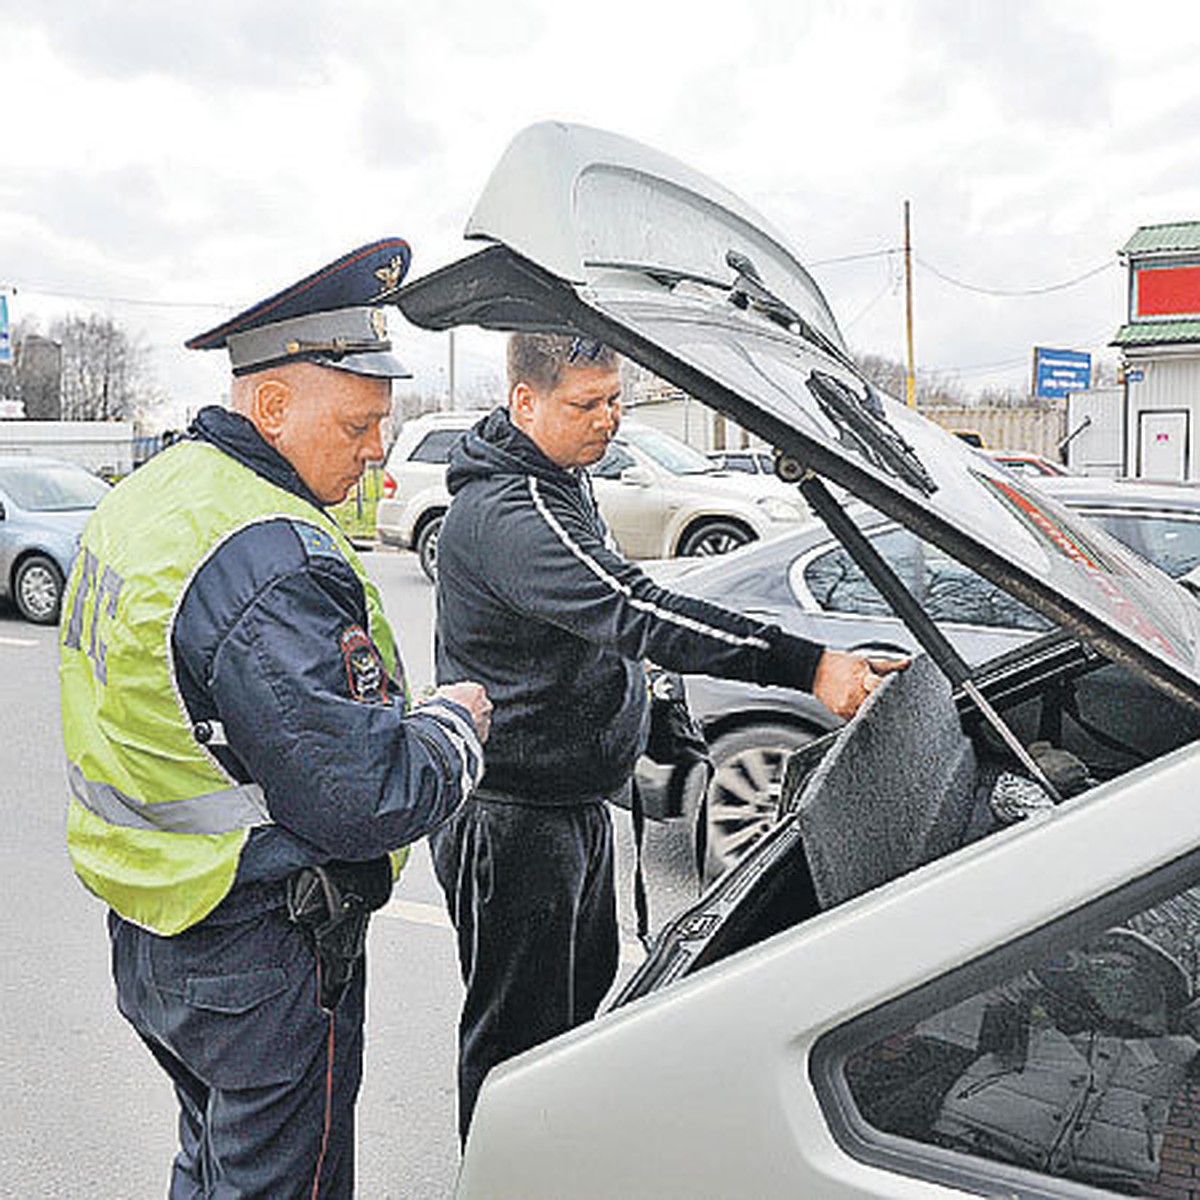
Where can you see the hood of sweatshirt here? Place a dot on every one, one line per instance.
(494, 447)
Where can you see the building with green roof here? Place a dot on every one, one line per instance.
(1160, 351)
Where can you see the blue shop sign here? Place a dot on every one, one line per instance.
(1058, 372)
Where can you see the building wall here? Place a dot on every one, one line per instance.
(105, 447)
(1169, 383)
(1096, 418)
(1036, 429)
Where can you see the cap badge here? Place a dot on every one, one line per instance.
(390, 274)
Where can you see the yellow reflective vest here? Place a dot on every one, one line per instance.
(156, 825)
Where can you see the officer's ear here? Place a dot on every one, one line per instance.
(269, 405)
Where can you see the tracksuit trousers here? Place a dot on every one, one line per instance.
(531, 893)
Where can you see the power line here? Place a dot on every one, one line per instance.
(17, 289)
(1037, 291)
(845, 258)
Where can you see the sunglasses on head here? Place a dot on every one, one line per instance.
(584, 349)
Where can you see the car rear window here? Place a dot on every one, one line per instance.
(57, 487)
(434, 447)
(1171, 543)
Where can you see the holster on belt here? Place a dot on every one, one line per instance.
(332, 903)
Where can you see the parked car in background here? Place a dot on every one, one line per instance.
(659, 497)
(415, 499)
(1160, 521)
(806, 582)
(942, 972)
(749, 462)
(1025, 462)
(44, 504)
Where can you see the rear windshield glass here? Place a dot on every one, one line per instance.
(435, 447)
(57, 487)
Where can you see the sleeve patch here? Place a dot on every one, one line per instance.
(316, 542)
(366, 675)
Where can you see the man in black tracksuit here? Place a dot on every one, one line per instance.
(535, 602)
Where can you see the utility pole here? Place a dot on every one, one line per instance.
(452, 406)
(910, 383)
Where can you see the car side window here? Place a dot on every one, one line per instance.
(616, 459)
(1083, 1066)
(948, 590)
(1171, 543)
(953, 592)
(836, 583)
(434, 447)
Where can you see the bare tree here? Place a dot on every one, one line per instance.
(929, 387)
(102, 369)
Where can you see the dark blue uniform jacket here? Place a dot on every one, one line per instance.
(271, 651)
(536, 604)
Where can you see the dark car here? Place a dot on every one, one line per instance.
(44, 504)
(806, 581)
(963, 961)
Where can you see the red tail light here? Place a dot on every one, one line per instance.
(389, 486)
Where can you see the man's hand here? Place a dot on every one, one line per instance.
(474, 699)
(844, 681)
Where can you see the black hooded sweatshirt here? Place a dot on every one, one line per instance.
(535, 603)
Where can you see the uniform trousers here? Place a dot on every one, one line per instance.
(530, 891)
(265, 1078)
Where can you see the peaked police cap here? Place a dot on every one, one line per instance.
(331, 317)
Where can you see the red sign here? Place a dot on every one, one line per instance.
(1167, 291)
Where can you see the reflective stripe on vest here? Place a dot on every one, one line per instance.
(241, 807)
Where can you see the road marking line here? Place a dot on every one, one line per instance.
(418, 914)
(12, 641)
(436, 916)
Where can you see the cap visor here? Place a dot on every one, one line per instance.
(380, 364)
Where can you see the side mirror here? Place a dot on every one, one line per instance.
(638, 476)
(3, 514)
(1191, 580)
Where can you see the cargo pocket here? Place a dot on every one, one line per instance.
(244, 1029)
(235, 994)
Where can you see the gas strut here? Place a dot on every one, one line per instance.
(905, 606)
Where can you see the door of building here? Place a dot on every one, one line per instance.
(1163, 444)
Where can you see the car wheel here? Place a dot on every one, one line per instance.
(38, 589)
(743, 794)
(426, 546)
(714, 537)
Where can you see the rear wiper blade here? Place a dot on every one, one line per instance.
(749, 292)
(668, 276)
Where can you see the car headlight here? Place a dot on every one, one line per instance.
(778, 508)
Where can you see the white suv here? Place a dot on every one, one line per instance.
(658, 496)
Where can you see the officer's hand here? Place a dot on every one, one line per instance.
(844, 681)
(474, 699)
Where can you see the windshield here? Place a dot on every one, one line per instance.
(51, 487)
(676, 456)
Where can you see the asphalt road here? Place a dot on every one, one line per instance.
(85, 1111)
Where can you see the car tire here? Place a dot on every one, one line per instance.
(714, 537)
(426, 546)
(743, 794)
(38, 590)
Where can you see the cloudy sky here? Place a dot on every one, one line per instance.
(167, 164)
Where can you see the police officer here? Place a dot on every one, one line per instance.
(243, 759)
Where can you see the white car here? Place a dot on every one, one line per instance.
(659, 497)
(966, 960)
